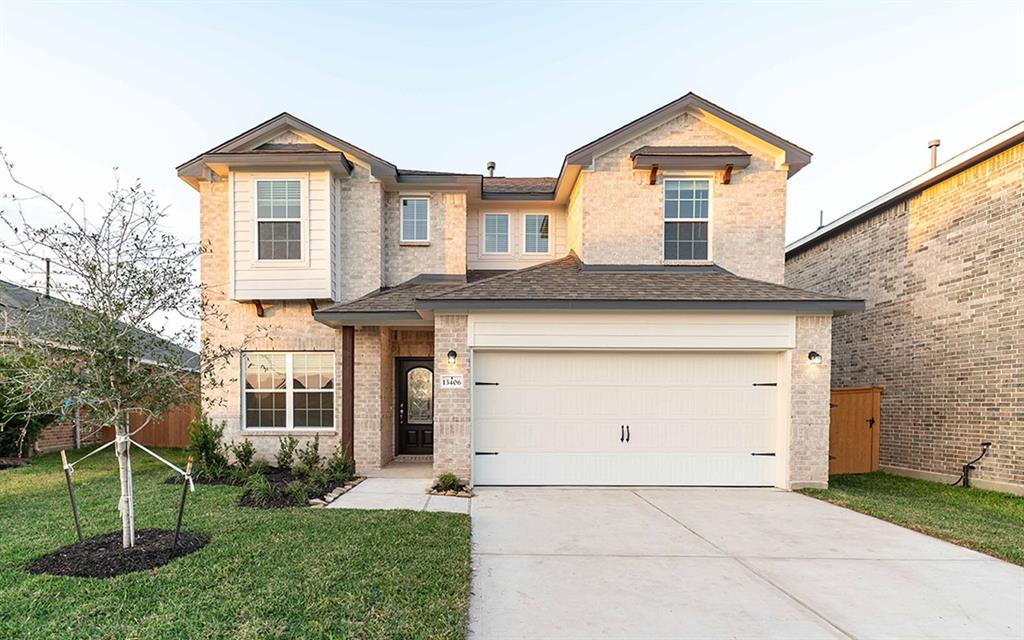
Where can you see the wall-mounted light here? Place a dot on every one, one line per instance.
(814, 357)
(452, 356)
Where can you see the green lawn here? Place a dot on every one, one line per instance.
(987, 521)
(291, 573)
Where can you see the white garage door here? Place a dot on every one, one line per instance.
(624, 418)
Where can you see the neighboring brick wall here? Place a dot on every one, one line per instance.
(943, 281)
(452, 425)
(809, 402)
(287, 326)
(623, 216)
(446, 252)
(61, 435)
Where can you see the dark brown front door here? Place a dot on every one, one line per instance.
(414, 405)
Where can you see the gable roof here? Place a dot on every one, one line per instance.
(33, 311)
(964, 160)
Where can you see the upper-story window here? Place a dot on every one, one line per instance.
(496, 233)
(687, 211)
(536, 238)
(415, 219)
(279, 219)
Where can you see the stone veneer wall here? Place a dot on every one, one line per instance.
(452, 422)
(622, 217)
(942, 276)
(809, 404)
(446, 251)
(286, 327)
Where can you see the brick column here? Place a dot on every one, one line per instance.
(810, 391)
(366, 423)
(452, 424)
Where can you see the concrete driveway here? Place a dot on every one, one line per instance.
(722, 563)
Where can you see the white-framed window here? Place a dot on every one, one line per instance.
(687, 216)
(536, 233)
(415, 220)
(279, 219)
(496, 235)
(288, 390)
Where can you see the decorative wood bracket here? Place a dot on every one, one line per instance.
(259, 308)
(312, 306)
(654, 174)
(727, 176)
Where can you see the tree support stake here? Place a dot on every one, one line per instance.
(181, 505)
(71, 493)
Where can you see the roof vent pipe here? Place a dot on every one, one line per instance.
(490, 168)
(934, 146)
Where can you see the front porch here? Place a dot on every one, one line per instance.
(401, 484)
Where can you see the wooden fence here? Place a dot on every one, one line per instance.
(853, 430)
(170, 431)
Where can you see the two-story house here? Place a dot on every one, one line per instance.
(623, 323)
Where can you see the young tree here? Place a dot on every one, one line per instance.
(129, 281)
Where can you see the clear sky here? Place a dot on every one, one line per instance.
(144, 87)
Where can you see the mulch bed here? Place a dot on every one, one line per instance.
(201, 479)
(103, 556)
(11, 463)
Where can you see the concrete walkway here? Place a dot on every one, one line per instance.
(399, 485)
(722, 563)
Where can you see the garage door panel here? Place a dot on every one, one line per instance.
(556, 417)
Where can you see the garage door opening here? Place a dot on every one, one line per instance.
(625, 418)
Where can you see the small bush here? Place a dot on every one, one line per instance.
(309, 455)
(318, 482)
(258, 466)
(204, 443)
(243, 453)
(286, 452)
(296, 490)
(300, 469)
(261, 490)
(448, 482)
(339, 467)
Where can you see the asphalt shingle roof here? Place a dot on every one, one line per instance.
(519, 185)
(568, 279)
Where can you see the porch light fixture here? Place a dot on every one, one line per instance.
(452, 356)
(814, 357)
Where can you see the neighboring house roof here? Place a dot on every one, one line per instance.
(556, 189)
(34, 312)
(978, 153)
(570, 284)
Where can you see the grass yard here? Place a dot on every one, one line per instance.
(987, 521)
(287, 573)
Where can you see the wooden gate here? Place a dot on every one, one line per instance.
(853, 430)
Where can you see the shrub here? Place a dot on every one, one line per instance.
(318, 482)
(20, 426)
(204, 443)
(243, 453)
(286, 452)
(339, 466)
(260, 490)
(309, 455)
(258, 466)
(296, 490)
(300, 469)
(448, 482)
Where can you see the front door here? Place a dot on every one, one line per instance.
(414, 405)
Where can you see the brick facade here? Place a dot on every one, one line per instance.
(621, 216)
(809, 404)
(446, 251)
(452, 422)
(942, 276)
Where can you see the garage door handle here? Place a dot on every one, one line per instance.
(486, 453)
(622, 433)
(763, 454)
(627, 433)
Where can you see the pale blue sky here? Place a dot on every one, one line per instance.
(449, 86)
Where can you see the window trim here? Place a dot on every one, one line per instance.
(289, 391)
(401, 220)
(303, 260)
(527, 214)
(710, 179)
(483, 233)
